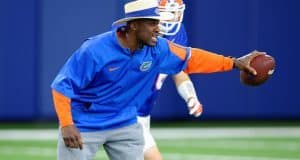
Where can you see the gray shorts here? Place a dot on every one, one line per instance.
(120, 144)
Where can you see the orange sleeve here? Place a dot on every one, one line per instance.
(202, 61)
(62, 106)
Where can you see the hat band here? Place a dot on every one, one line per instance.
(150, 12)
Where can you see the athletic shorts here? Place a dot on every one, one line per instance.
(148, 138)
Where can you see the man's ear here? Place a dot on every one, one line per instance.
(133, 26)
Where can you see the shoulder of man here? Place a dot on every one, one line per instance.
(97, 43)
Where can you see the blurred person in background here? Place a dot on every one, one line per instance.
(97, 92)
(173, 30)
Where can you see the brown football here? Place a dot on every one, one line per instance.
(264, 66)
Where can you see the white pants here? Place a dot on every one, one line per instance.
(148, 138)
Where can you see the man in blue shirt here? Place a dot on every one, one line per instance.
(95, 92)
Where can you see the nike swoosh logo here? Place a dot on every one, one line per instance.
(113, 68)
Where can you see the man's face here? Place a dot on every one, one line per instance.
(147, 31)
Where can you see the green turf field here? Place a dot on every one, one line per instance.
(212, 146)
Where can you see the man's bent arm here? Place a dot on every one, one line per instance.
(62, 106)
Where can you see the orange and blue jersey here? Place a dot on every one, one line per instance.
(180, 37)
(100, 85)
(97, 87)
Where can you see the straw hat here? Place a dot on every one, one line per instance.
(140, 9)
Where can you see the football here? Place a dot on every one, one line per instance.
(264, 66)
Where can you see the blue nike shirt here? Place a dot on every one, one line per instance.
(104, 80)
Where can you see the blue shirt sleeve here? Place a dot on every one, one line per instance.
(76, 74)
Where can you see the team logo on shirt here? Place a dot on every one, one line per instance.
(145, 65)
